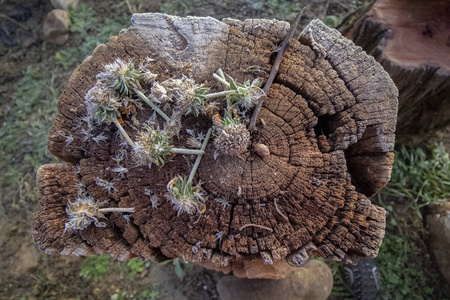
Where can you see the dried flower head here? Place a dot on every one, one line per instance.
(86, 210)
(246, 95)
(234, 138)
(189, 96)
(152, 146)
(82, 212)
(122, 76)
(185, 197)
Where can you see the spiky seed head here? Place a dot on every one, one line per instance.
(189, 96)
(246, 95)
(152, 146)
(83, 212)
(159, 94)
(185, 197)
(102, 104)
(122, 75)
(234, 139)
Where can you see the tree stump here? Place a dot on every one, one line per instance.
(322, 145)
(411, 40)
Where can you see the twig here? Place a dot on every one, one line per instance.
(14, 21)
(255, 225)
(275, 67)
(276, 207)
(199, 157)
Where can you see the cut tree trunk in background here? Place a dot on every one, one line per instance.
(328, 123)
(411, 40)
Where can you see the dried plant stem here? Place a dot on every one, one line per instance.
(255, 225)
(124, 134)
(116, 209)
(219, 94)
(197, 161)
(151, 104)
(221, 79)
(186, 151)
(274, 70)
(278, 210)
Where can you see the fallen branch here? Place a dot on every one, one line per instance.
(275, 67)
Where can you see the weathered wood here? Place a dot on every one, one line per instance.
(411, 40)
(327, 126)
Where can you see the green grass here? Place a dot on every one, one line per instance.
(27, 115)
(420, 177)
(95, 267)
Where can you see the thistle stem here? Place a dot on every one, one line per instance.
(221, 80)
(219, 94)
(186, 151)
(116, 209)
(151, 104)
(124, 133)
(199, 158)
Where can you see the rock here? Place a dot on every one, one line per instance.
(56, 27)
(64, 4)
(253, 269)
(313, 281)
(26, 259)
(439, 226)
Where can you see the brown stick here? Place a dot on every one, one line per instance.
(255, 225)
(276, 207)
(275, 67)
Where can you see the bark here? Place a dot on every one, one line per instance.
(411, 40)
(327, 126)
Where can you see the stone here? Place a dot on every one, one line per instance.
(439, 227)
(313, 281)
(56, 27)
(26, 259)
(64, 4)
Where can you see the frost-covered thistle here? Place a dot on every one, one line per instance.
(86, 210)
(103, 106)
(241, 96)
(153, 146)
(234, 138)
(122, 75)
(188, 95)
(186, 197)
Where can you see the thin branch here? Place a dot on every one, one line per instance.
(14, 21)
(197, 161)
(151, 104)
(255, 225)
(117, 209)
(275, 67)
(124, 133)
(278, 210)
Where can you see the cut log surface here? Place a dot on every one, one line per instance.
(411, 40)
(326, 130)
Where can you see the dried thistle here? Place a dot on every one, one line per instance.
(188, 95)
(240, 96)
(153, 146)
(234, 138)
(185, 197)
(122, 76)
(86, 210)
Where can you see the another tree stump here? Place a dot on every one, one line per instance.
(411, 40)
(327, 127)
